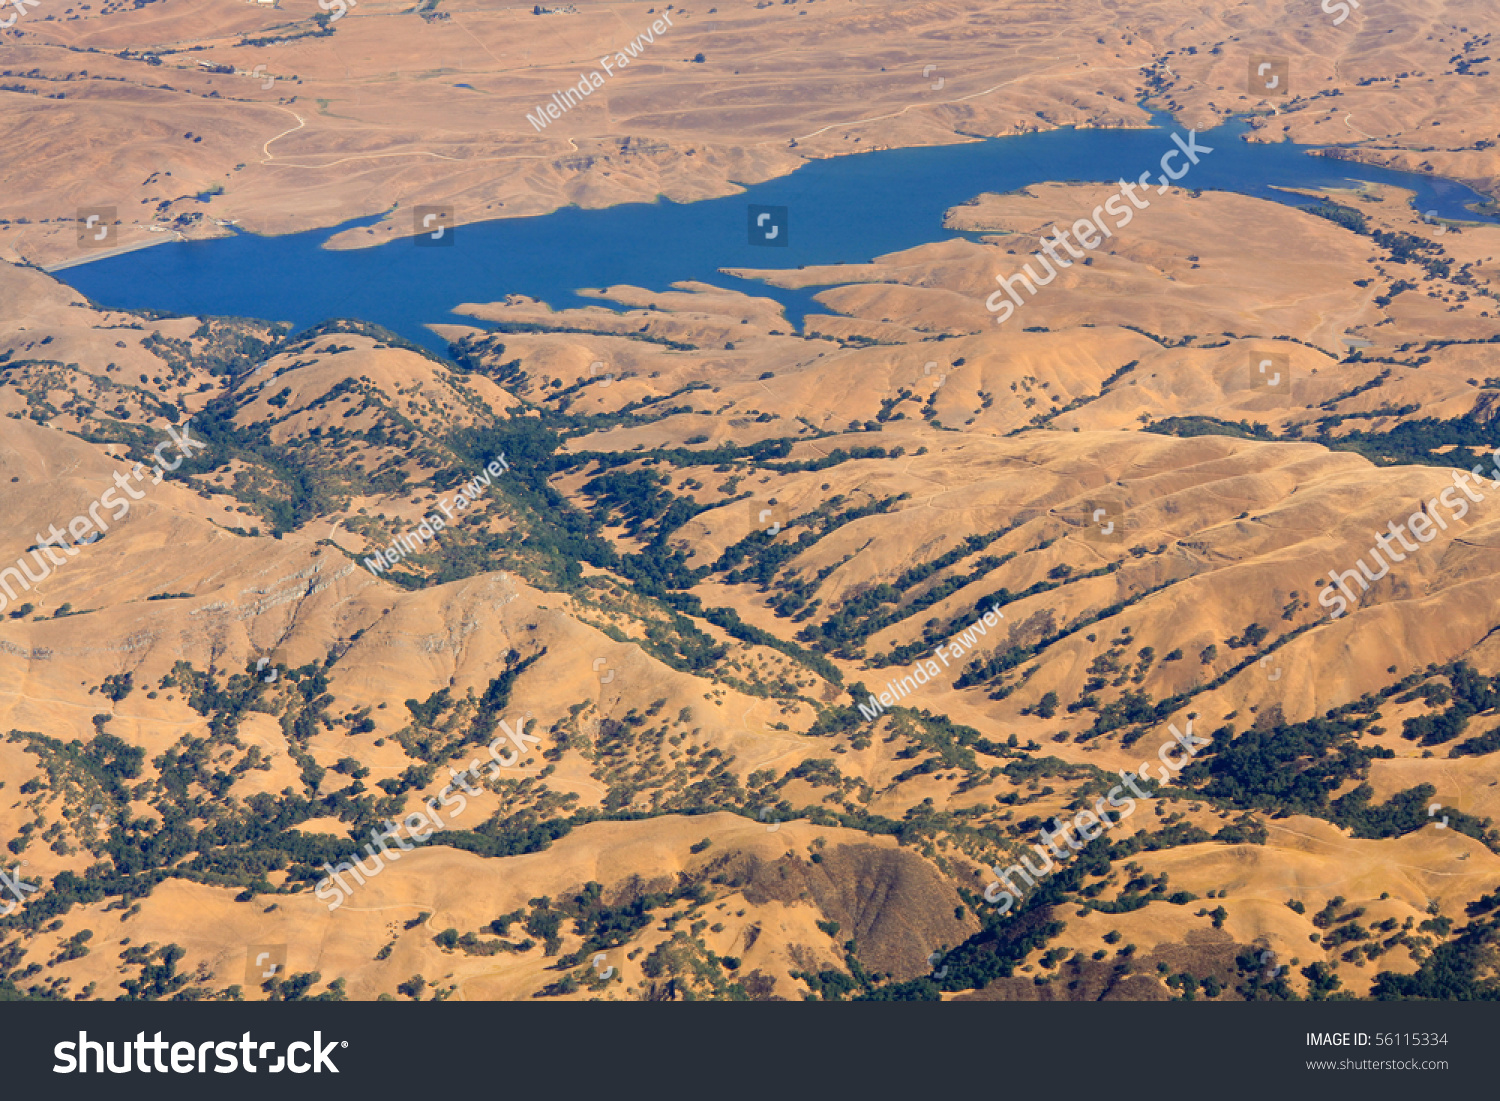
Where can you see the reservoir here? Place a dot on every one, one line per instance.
(846, 209)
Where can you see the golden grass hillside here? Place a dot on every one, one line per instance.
(283, 119)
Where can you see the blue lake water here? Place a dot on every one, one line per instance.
(845, 209)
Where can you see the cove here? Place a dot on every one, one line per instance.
(845, 209)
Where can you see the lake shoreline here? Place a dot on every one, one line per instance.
(836, 211)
